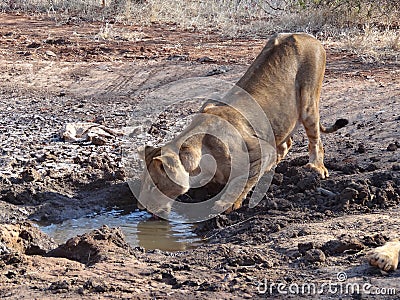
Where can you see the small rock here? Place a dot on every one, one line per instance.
(10, 274)
(31, 175)
(304, 247)
(120, 174)
(315, 255)
(98, 141)
(211, 287)
(54, 174)
(40, 158)
(294, 254)
(96, 162)
(139, 249)
(218, 71)
(50, 53)
(308, 183)
(206, 59)
(374, 241)
(100, 120)
(348, 194)
(391, 147)
(304, 231)
(34, 45)
(372, 167)
(50, 156)
(277, 179)
(59, 286)
(177, 57)
(345, 244)
(361, 148)
(3, 249)
(275, 228)
(268, 264)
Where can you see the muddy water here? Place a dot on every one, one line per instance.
(139, 227)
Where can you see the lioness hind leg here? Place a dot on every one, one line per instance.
(386, 257)
(310, 120)
(283, 149)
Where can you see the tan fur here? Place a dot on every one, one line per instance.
(386, 257)
(285, 80)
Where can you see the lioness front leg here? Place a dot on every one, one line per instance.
(385, 257)
(238, 203)
(223, 204)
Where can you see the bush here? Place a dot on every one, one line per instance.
(232, 18)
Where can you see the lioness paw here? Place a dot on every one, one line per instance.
(319, 168)
(386, 257)
(226, 208)
(222, 206)
(235, 206)
(229, 210)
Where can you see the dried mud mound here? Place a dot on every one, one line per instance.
(24, 238)
(297, 194)
(94, 246)
(90, 248)
(361, 190)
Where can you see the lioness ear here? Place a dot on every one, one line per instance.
(163, 159)
(141, 151)
(145, 151)
(207, 106)
(148, 152)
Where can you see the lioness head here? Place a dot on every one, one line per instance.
(164, 180)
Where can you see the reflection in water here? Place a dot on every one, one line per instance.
(139, 227)
(160, 233)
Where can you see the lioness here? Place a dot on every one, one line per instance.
(285, 80)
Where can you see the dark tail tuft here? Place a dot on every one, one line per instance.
(338, 124)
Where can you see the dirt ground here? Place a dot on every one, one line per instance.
(306, 231)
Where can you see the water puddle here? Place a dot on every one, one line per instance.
(139, 227)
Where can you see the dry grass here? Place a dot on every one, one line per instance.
(367, 26)
(373, 44)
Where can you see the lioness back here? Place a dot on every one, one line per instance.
(288, 63)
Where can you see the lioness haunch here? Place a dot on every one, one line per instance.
(285, 80)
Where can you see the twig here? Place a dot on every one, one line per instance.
(272, 7)
(226, 228)
(326, 192)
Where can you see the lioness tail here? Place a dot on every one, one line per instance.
(338, 124)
